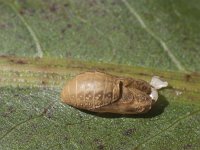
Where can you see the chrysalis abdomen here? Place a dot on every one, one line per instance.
(91, 90)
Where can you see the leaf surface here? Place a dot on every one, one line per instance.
(43, 44)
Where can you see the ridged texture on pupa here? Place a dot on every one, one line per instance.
(91, 90)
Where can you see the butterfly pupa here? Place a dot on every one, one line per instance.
(105, 93)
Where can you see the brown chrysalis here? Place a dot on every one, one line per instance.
(105, 93)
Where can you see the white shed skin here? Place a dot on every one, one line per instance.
(156, 84)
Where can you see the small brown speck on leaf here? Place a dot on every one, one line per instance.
(188, 77)
(21, 11)
(48, 111)
(99, 144)
(69, 25)
(44, 82)
(49, 114)
(66, 4)
(81, 142)
(129, 132)
(66, 137)
(54, 8)
(19, 61)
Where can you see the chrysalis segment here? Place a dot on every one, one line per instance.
(91, 90)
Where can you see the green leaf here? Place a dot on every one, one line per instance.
(43, 44)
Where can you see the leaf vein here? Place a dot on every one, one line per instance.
(16, 126)
(32, 33)
(167, 128)
(157, 38)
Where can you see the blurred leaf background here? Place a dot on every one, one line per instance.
(45, 43)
